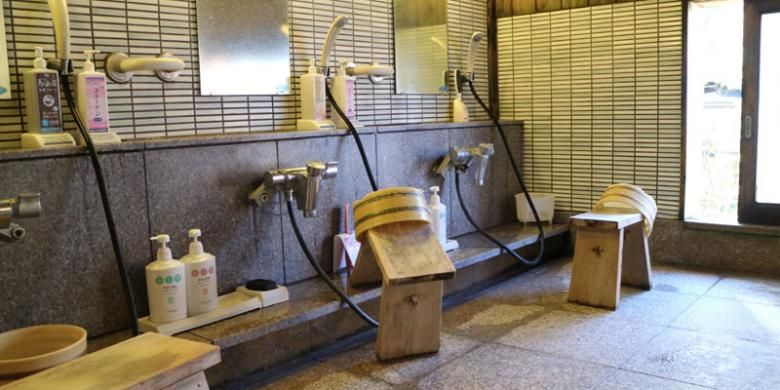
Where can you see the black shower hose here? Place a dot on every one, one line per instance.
(101, 182)
(355, 135)
(519, 177)
(362, 314)
(487, 235)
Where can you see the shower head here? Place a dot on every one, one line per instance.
(61, 21)
(330, 39)
(473, 47)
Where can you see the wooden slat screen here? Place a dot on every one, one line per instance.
(600, 90)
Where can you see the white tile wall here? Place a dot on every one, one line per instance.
(600, 89)
(148, 108)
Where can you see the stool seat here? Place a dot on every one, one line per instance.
(611, 248)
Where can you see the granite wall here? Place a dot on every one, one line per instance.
(65, 272)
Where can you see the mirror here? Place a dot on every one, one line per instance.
(244, 47)
(5, 80)
(420, 46)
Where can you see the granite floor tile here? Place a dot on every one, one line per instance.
(647, 307)
(323, 377)
(486, 321)
(588, 337)
(748, 289)
(627, 380)
(362, 361)
(709, 360)
(494, 366)
(681, 280)
(745, 320)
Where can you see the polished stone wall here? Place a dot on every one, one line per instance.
(65, 272)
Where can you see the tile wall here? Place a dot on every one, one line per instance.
(600, 90)
(148, 108)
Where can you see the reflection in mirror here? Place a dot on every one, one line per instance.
(244, 47)
(420, 46)
(5, 81)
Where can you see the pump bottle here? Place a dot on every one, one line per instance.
(343, 88)
(438, 213)
(43, 107)
(92, 101)
(313, 108)
(165, 284)
(201, 271)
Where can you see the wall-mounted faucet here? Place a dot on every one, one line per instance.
(26, 205)
(120, 67)
(462, 158)
(301, 183)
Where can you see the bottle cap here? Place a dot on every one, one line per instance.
(196, 247)
(312, 65)
(163, 252)
(39, 62)
(89, 55)
(435, 199)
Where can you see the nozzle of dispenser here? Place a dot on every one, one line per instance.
(163, 252)
(89, 57)
(196, 247)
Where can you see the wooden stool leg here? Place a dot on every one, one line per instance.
(409, 319)
(636, 258)
(595, 279)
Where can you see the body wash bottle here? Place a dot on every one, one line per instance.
(43, 107)
(92, 101)
(313, 107)
(438, 216)
(165, 284)
(343, 87)
(201, 271)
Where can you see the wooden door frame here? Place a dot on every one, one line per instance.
(750, 211)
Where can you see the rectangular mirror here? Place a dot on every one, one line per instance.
(420, 46)
(243, 47)
(5, 80)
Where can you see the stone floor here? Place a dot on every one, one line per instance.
(695, 329)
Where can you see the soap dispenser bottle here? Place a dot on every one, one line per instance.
(201, 271)
(92, 101)
(313, 107)
(42, 97)
(438, 213)
(165, 284)
(460, 113)
(343, 87)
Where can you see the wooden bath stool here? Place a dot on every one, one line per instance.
(610, 248)
(400, 249)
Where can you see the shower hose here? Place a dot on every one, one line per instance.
(101, 181)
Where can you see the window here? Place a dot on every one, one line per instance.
(759, 196)
(714, 104)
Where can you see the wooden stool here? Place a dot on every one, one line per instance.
(604, 241)
(400, 248)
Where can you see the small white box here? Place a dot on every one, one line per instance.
(545, 206)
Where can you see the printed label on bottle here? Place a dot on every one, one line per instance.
(351, 110)
(48, 88)
(97, 110)
(319, 99)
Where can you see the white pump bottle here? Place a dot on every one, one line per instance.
(201, 271)
(165, 284)
(343, 88)
(438, 213)
(92, 101)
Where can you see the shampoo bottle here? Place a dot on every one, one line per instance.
(92, 101)
(42, 97)
(165, 284)
(343, 87)
(313, 93)
(201, 271)
(438, 216)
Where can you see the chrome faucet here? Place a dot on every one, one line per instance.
(25, 205)
(301, 184)
(462, 158)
